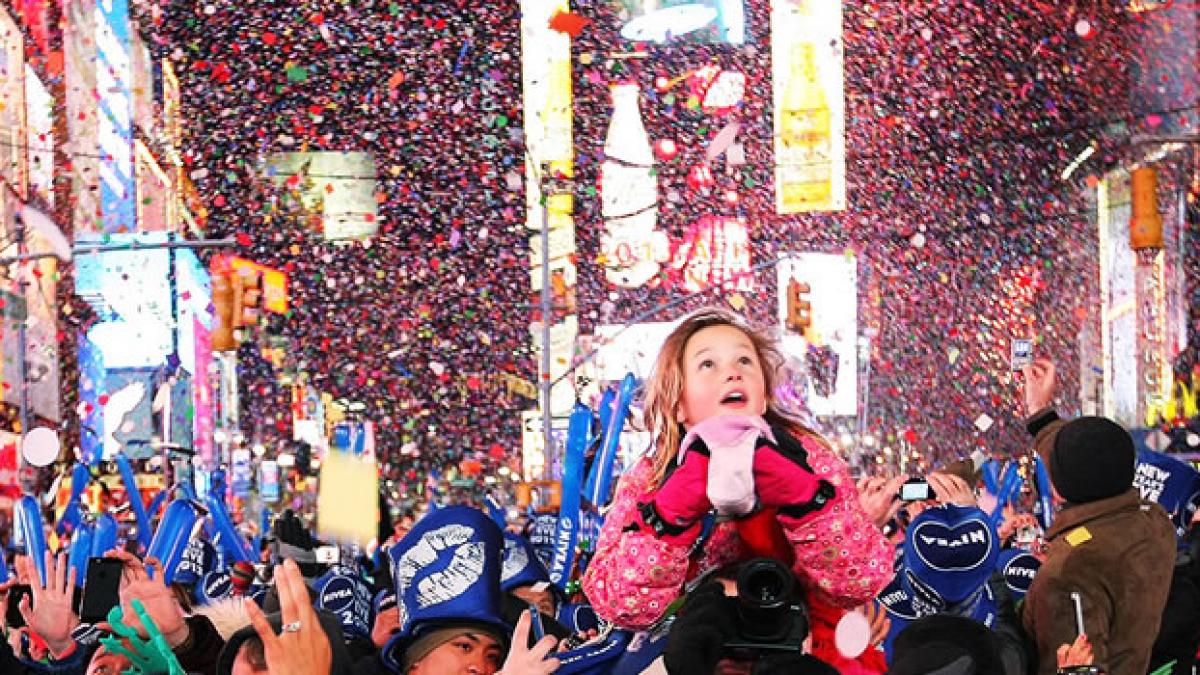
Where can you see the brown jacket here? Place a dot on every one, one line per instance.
(1118, 554)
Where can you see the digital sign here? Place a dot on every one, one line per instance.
(823, 363)
(340, 185)
(114, 76)
(131, 292)
(810, 118)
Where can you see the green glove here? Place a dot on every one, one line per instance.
(153, 656)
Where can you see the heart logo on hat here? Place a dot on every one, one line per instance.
(515, 560)
(1019, 572)
(952, 546)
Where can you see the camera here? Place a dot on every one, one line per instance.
(771, 617)
(916, 490)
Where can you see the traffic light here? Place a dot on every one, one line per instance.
(223, 297)
(799, 310)
(247, 285)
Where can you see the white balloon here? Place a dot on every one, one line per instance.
(40, 447)
(853, 634)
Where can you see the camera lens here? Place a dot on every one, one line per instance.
(764, 592)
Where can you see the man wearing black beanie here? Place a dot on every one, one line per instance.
(1109, 554)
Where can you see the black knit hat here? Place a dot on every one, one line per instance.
(1092, 458)
(944, 643)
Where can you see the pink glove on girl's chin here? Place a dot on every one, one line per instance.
(681, 501)
(785, 481)
(730, 441)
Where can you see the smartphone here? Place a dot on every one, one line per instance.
(1021, 354)
(101, 589)
(915, 490)
(537, 631)
(13, 618)
(328, 555)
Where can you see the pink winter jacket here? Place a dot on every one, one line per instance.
(635, 576)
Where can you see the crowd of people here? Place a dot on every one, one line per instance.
(740, 542)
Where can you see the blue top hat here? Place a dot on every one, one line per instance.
(522, 567)
(447, 573)
(1018, 567)
(199, 558)
(344, 594)
(213, 586)
(949, 552)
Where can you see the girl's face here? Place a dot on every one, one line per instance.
(722, 375)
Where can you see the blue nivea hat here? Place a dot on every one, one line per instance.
(213, 586)
(950, 552)
(199, 558)
(1018, 567)
(447, 573)
(348, 597)
(521, 567)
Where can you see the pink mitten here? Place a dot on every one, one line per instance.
(730, 440)
(674, 512)
(784, 480)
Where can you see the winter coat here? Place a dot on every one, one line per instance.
(634, 576)
(1118, 554)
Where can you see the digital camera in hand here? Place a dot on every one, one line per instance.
(770, 615)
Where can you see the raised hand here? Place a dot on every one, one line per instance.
(879, 497)
(159, 602)
(54, 619)
(524, 660)
(302, 648)
(1040, 384)
(950, 489)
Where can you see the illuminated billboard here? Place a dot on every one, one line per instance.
(131, 292)
(810, 112)
(114, 113)
(338, 185)
(79, 55)
(12, 112)
(1118, 300)
(39, 111)
(823, 363)
(703, 21)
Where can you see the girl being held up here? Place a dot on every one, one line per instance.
(723, 445)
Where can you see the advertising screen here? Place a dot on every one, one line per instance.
(340, 186)
(131, 291)
(114, 79)
(39, 111)
(12, 113)
(696, 21)
(193, 302)
(822, 369)
(1118, 296)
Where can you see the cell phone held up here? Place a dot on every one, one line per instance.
(13, 618)
(1021, 354)
(101, 589)
(916, 490)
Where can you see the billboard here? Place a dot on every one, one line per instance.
(823, 363)
(156, 208)
(131, 291)
(338, 185)
(810, 111)
(193, 304)
(697, 21)
(12, 113)
(37, 310)
(114, 115)
(92, 387)
(1118, 300)
(628, 349)
(39, 112)
(79, 52)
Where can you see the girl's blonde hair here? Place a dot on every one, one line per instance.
(664, 388)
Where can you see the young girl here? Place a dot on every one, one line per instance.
(722, 443)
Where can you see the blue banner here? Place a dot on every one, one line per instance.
(607, 402)
(579, 429)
